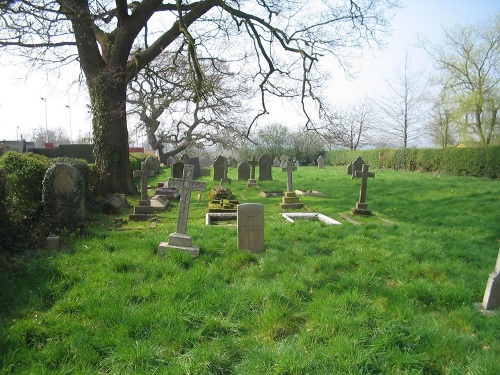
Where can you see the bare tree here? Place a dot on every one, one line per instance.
(469, 62)
(401, 110)
(442, 125)
(55, 136)
(279, 41)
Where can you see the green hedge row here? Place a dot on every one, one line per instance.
(476, 162)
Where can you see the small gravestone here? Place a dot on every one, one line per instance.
(355, 166)
(297, 163)
(115, 203)
(220, 166)
(265, 165)
(195, 162)
(252, 182)
(250, 218)
(361, 207)
(283, 161)
(177, 169)
(153, 164)
(63, 195)
(321, 162)
(243, 171)
(491, 299)
(180, 240)
(276, 162)
(290, 200)
(205, 162)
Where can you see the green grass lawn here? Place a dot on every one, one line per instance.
(394, 295)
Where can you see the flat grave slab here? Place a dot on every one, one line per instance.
(292, 216)
(213, 218)
(272, 193)
(310, 193)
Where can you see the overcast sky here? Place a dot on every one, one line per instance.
(22, 109)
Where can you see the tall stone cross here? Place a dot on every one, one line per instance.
(144, 173)
(253, 163)
(186, 184)
(289, 169)
(361, 206)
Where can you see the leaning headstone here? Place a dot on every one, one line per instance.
(290, 200)
(250, 217)
(355, 166)
(115, 203)
(180, 240)
(265, 165)
(63, 195)
(491, 299)
(276, 162)
(177, 169)
(361, 207)
(321, 162)
(243, 171)
(219, 168)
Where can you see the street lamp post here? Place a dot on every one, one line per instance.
(17, 136)
(70, 132)
(46, 125)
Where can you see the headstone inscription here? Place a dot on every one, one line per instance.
(290, 200)
(361, 207)
(252, 182)
(180, 240)
(321, 162)
(355, 166)
(250, 222)
(144, 173)
(265, 165)
(491, 299)
(63, 195)
(243, 171)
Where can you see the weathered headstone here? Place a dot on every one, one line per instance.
(265, 165)
(170, 161)
(252, 182)
(355, 166)
(180, 240)
(63, 195)
(250, 217)
(321, 162)
(290, 200)
(220, 166)
(184, 158)
(491, 299)
(284, 159)
(115, 203)
(144, 173)
(177, 169)
(361, 207)
(205, 162)
(276, 162)
(243, 171)
(195, 162)
(153, 164)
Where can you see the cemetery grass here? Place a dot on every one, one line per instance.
(393, 294)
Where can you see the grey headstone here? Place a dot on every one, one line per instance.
(177, 169)
(220, 165)
(321, 162)
(355, 166)
(195, 162)
(491, 300)
(276, 162)
(153, 164)
(63, 195)
(250, 217)
(243, 171)
(265, 165)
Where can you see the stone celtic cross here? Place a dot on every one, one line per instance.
(289, 169)
(186, 184)
(144, 173)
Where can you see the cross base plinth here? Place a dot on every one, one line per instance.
(290, 200)
(144, 202)
(361, 209)
(252, 183)
(226, 180)
(178, 241)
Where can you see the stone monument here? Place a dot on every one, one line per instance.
(321, 162)
(180, 240)
(355, 166)
(265, 166)
(250, 218)
(290, 200)
(243, 171)
(361, 207)
(252, 182)
(491, 299)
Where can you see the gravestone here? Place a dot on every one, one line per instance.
(243, 171)
(177, 169)
(63, 195)
(321, 162)
(115, 203)
(195, 162)
(491, 299)
(180, 240)
(265, 165)
(220, 166)
(170, 161)
(153, 164)
(250, 221)
(290, 200)
(355, 166)
(144, 173)
(284, 159)
(252, 182)
(361, 207)
(276, 162)
(184, 158)
(205, 162)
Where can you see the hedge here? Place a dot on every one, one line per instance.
(474, 161)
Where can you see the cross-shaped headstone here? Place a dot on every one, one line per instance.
(253, 163)
(186, 184)
(289, 169)
(361, 206)
(144, 173)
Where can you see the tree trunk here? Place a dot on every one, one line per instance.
(107, 95)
